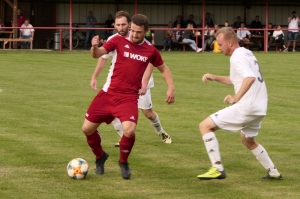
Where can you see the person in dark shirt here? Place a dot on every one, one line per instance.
(191, 20)
(208, 20)
(238, 22)
(179, 21)
(109, 23)
(270, 34)
(256, 24)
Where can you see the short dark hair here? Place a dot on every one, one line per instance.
(140, 20)
(122, 13)
(294, 12)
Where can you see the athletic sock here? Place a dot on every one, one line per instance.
(156, 124)
(118, 126)
(126, 145)
(264, 159)
(212, 148)
(94, 142)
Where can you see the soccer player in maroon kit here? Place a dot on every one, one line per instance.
(118, 97)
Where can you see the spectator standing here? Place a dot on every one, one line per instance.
(256, 24)
(207, 20)
(188, 38)
(20, 22)
(191, 20)
(91, 21)
(293, 21)
(270, 34)
(150, 36)
(2, 28)
(237, 23)
(179, 21)
(109, 23)
(279, 38)
(26, 32)
(168, 38)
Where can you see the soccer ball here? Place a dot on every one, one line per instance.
(78, 168)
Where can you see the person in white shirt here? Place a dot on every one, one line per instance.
(27, 32)
(279, 38)
(248, 107)
(243, 34)
(293, 21)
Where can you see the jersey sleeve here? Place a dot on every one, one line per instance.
(156, 59)
(111, 44)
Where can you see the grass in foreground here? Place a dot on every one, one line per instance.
(44, 96)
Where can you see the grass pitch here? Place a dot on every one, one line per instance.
(44, 96)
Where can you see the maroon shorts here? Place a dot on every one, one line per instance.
(105, 107)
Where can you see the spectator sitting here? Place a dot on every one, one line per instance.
(187, 37)
(270, 34)
(168, 38)
(27, 32)
(2, 28)
(243, 34)
(179, 21)
(279, 38)
(209, 37)
(177, 36)
(191, 20)
(237, 24)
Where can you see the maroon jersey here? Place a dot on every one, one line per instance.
(131, 61)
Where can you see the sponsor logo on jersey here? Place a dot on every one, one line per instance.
(135, 56)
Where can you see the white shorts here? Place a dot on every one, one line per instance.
(145, 101)
(232, 119)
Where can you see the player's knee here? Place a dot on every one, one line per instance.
(86, 130)
(202, 127)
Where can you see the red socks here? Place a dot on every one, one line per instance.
(126, 145)
(94, 142)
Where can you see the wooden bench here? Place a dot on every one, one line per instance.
(247, 44)
(183, 45)
(6, 40)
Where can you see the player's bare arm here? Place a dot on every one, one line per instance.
(222, 79)
(247, 82)
(167, 75)
(99, 67)
(146, 78)
(97, 52)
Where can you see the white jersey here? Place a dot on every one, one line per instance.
(244, 64)
(113, 54)
(294, 24)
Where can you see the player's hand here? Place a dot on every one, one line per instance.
(95, 41)
(143, 91)
(170, 96)
(94, 84)
(229, 99)
(207, 77)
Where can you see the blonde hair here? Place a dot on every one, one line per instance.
(228, 34)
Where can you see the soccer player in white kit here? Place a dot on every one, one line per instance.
(144, 101)
(247, 110)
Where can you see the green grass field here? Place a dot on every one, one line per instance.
(44, 96)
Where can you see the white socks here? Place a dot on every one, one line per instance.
(212, 148)
(118, 126)
(264, 159)
(156, 124)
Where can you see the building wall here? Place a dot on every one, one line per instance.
(160, 15)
